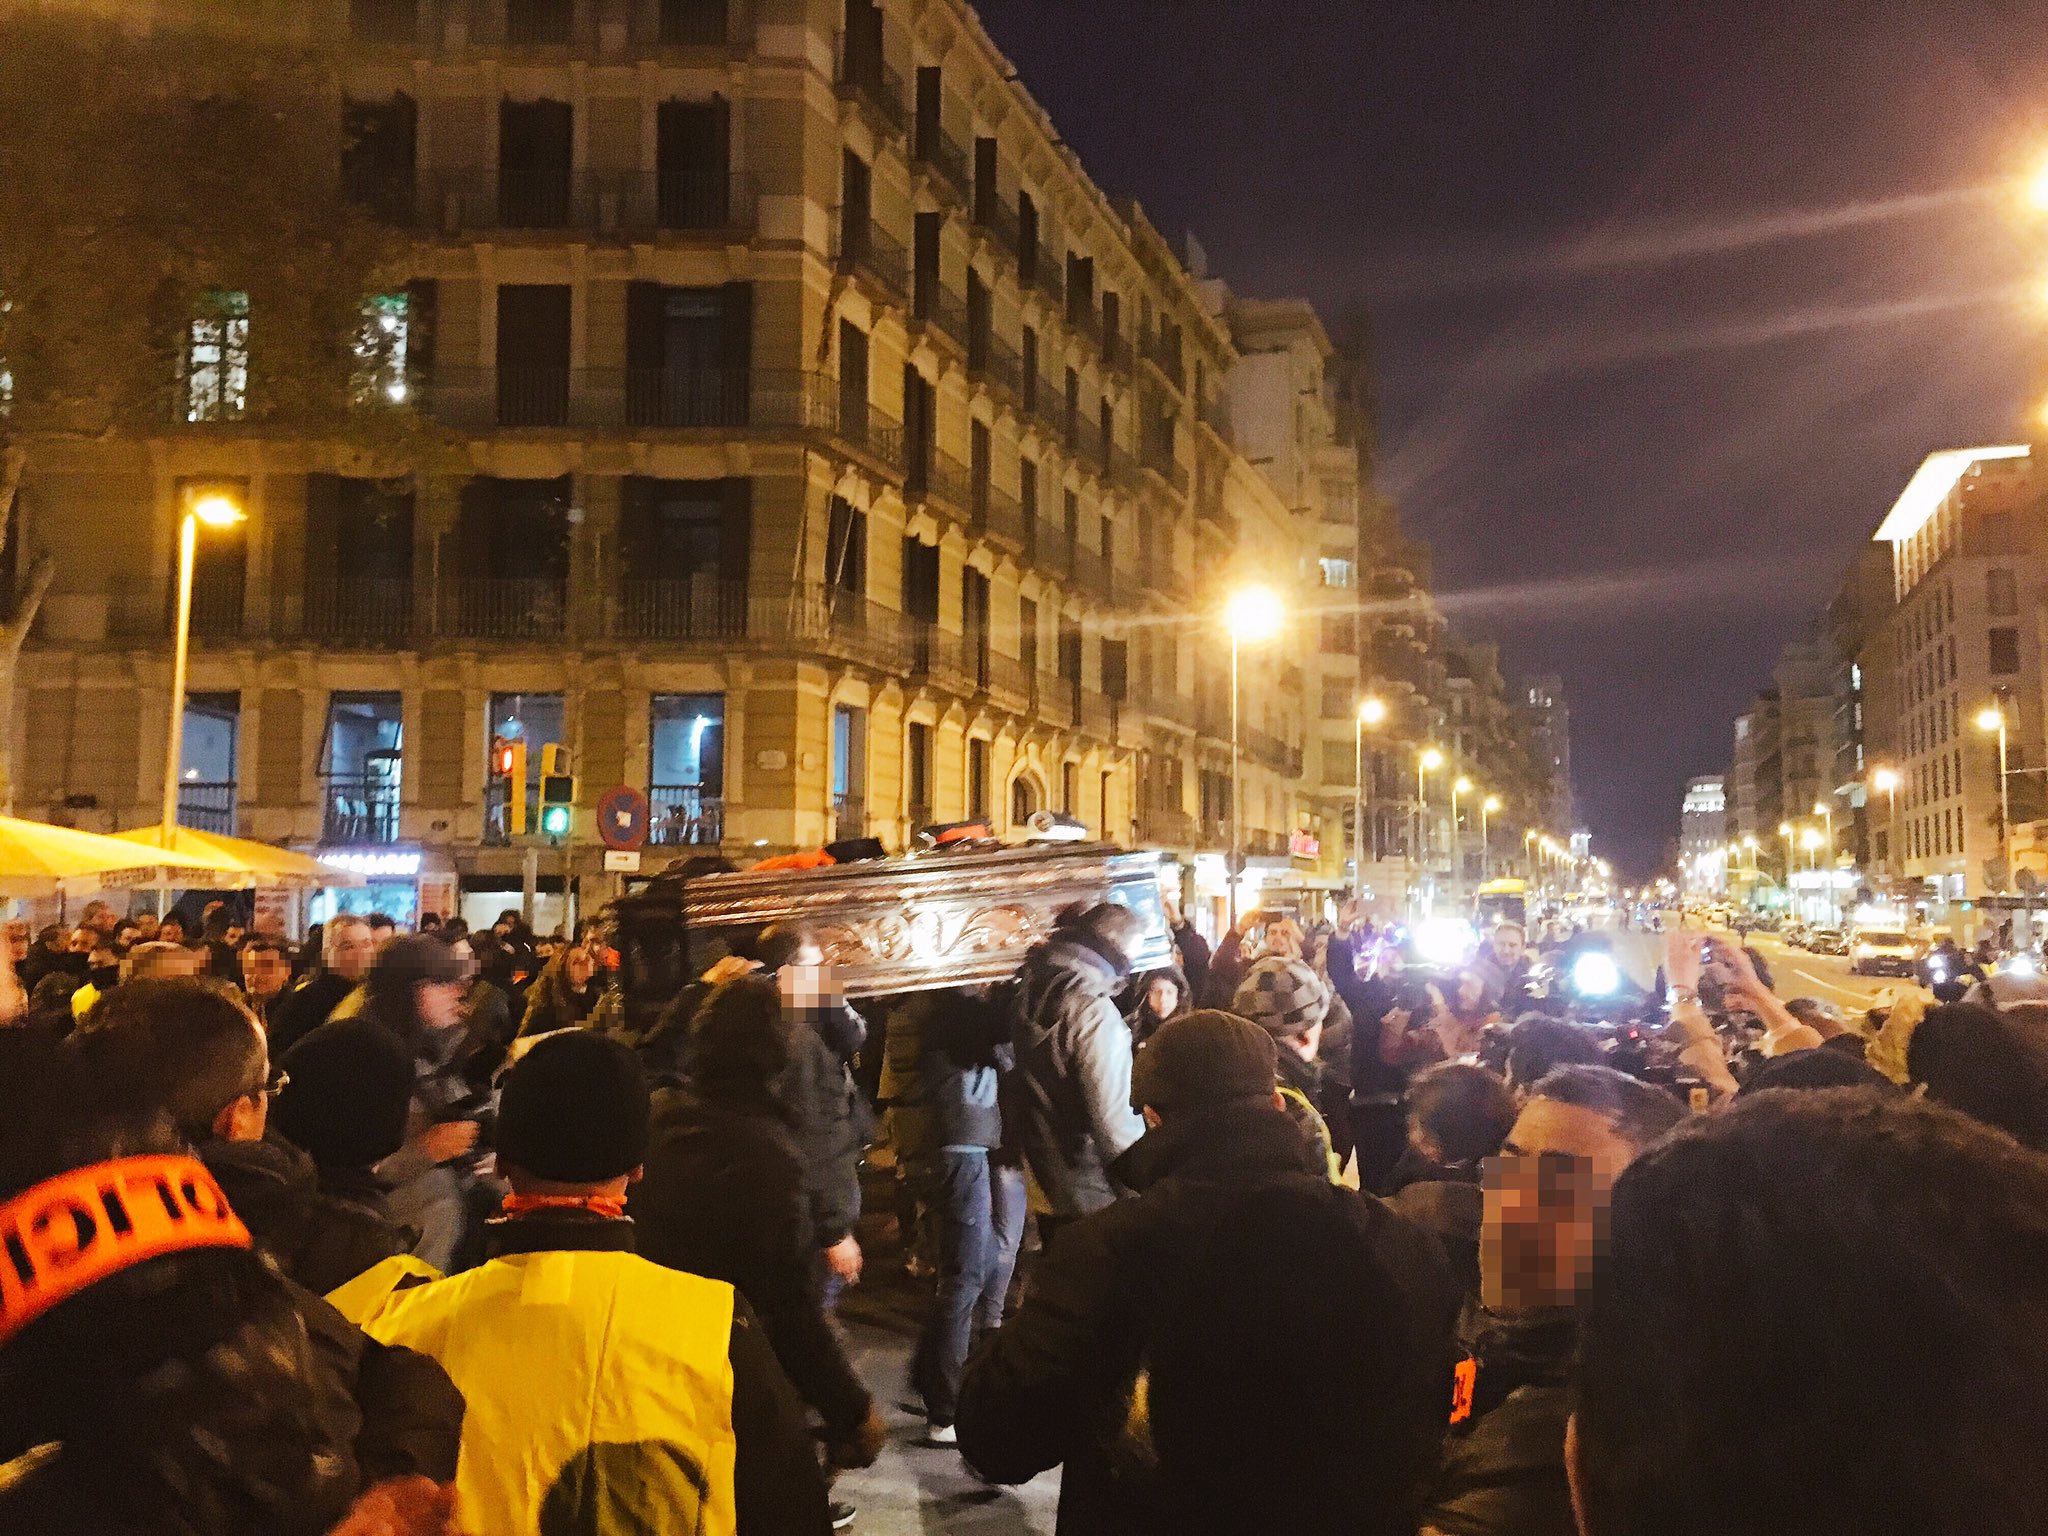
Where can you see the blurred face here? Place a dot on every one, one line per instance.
(1546, 1206)
(245, 1118)
(1162, 997)
(17, 942)
(350, 949)
(13, 1001)
(1471, 993)
(83, 939)
(462, 951)
(264, 972)
(1509, 945)
(808, 955)
(146, 926)
(440, 1003)
(171, 931)
(1284, 939)
(579, 966)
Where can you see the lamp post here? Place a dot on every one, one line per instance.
(1251, 615)
(1371, 713)
(1426, 763)
(1992, 718)
(1488, 808)
(1886, 782)
(1825, 810)
(1460, 786)
(216, 509)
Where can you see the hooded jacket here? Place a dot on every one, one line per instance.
(1067, 1105)
(1243, 1347)
(826, 1112)
(318, 1236)
(609, 1393)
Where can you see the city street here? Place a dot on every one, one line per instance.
(1797, 973)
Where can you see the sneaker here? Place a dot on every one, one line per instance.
(936, 1433)
(842, 1514)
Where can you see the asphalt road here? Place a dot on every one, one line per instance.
(1796, 973)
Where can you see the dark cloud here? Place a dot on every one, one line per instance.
(1668, 299)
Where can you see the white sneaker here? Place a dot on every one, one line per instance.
(940, 1434)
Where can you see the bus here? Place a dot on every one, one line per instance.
(1500, 901)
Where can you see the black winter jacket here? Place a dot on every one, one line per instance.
(724, 1196)
(1067, 1104)
(304, 1009)
(827, 1113)
(1243, 1348)
(1502, 1472)
(320, 1237)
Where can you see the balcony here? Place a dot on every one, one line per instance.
(685, 816)
(1052, 699)
(614, 205)
(688, 609)
(941, 478)
(1215, 415)
(948, 162)
(1048, 403)
(938, 308)
(1116, 351)
(371, 612)
(940, 657)
(505, 608)
(998, 219)
(1165, 356)
(1173, 708)
(1096, 714)
(1091, 572)
(1084, 441)
(1166, 827)
(992, 360)
(1045, 273)
(869, 252)
(866, 80)
(359, 808)
(849, 818)
(1003, 678)
(999, 517)
(207, 807)
(1159, 460)
(1121, 468)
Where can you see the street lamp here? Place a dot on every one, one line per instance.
(1460, 786)
(1488, 808)
(1992, 718)
(1426, 763)
(1251, 615)
(1372, 713)
(216, 509)
(1886, 782)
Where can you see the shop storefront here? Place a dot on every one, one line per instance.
(399, 880)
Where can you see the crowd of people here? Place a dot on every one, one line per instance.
(401, 1233)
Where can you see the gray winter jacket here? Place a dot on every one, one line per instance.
(1067, 1105)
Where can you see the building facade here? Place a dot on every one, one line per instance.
(1703, 835)
(773, 414)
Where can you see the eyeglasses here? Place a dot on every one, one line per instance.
(279, 1081)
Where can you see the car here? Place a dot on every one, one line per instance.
(1883, 952)
(1828, 941)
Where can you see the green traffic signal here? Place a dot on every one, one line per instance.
(554, 821)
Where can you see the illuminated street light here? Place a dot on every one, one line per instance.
(216, 509)
(1427, 762)
(1251, 614)
(1992, 718)
(1372, 713)
(2037, 188)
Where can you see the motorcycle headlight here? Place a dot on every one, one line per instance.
(2020, 965)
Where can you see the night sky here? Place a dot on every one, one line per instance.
(1667, 301)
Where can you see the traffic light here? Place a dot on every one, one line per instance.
(508, 762)
(557, 793)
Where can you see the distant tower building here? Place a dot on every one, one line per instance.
(1703, 834)
(1550, 740)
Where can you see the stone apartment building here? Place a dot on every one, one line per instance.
(804, 440)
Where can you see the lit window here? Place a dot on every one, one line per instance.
(380, 351)
(217, 359)
(1336, 571)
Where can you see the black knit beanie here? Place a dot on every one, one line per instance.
(350, 1086)
(574, 1110)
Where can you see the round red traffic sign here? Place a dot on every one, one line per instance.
(622, 818)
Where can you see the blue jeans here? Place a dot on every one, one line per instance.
(976, 1216)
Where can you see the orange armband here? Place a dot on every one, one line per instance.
(67, 1233)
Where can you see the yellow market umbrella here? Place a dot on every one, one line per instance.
(37, 859)
(251, 863)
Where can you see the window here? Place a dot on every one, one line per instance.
(382, 332)
(537, 719)
(685, 769)
(537, 21)
(217, 359)
(1027, 636)
(2005, 651)
(1340, 763)
(379, 155)
(1070, 787)
(699, 23)
(692, 150)
(977, 778)
(1337, 696)
(206, 762)
(361, 761)
(849, 771)
(2001, 592)
(533, 355)
(1337, 635)
(383, 21)
(536, 150)
(846, 549)
(919, 774)
(1336, 571)
(689, 354)
(358, 559)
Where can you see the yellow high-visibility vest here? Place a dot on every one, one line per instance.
(598, 1384)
